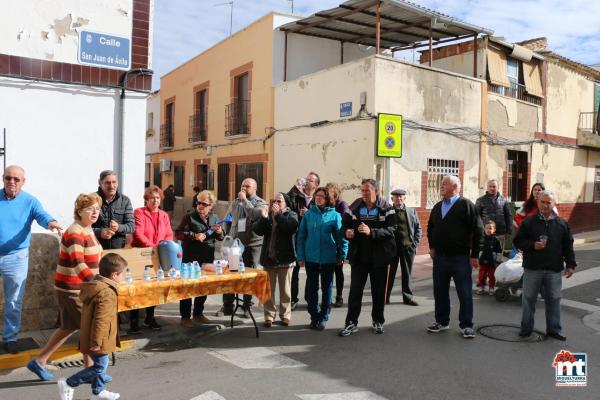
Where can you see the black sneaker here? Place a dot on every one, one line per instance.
(437, 327)
(378, 328)
(294, 305)
(11, 347)
(321, 325)
(350, 329)
(224, 311)
(339, 302)
(313, 325)
(152, 324)
(134, 329)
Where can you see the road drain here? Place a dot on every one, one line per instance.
(508, 333)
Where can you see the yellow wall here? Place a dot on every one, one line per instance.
(214, 66)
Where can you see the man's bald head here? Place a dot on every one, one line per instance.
(14, 179)
(249, 186)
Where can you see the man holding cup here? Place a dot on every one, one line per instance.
(547, 245)
(116, 215)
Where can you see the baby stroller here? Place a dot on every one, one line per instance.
(509, 278)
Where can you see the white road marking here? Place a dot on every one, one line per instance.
(579, 305)
(342, 396)
(210, 395)
(256, 358)
(581, 278)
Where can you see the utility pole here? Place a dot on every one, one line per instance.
(292, 5)
(230, 4)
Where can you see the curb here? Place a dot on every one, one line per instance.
(11, 361)
(582, 241)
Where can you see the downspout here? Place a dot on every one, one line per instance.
(121, 153)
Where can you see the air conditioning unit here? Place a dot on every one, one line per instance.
(165, 165)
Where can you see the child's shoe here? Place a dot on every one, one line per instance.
(105, 395)
(65, 392)
(480, 291)
(492, 291)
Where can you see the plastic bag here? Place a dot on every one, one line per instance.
(510, 271)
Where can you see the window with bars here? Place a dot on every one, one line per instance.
(597, 186)
(436, 170)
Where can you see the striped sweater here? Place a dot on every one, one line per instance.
(79, 256)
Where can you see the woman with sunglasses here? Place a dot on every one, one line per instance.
(198, 231)
(278, 228)
(151, 226)
(320, 247)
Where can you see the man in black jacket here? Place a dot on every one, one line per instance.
(301, 197)
(492, 206)
(116, 215)
(369, 226)
(547, 245)
(454, 232)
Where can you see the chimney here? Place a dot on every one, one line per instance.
(537, 44)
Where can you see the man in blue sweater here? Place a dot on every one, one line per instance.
(17, 212)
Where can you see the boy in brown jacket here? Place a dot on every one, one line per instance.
(99, 333)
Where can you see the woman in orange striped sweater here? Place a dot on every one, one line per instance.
(80, 254)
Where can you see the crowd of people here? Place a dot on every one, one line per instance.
(308, 227)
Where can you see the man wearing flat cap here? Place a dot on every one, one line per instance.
(408, 236)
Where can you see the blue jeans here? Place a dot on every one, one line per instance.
(533, 281)
(96, 374)
(458, 269)
(314, 273)
(13, 268)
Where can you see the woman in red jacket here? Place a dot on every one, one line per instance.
(151, 226)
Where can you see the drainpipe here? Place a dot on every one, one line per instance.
(121, 133)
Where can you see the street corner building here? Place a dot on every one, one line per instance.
(74, 78)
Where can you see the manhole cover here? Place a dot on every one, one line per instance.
(508, 333)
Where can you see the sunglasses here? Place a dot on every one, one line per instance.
(12, 178)
(203, 204)
(278, 201)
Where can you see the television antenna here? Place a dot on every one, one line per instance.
(230, 4)
(291, 2)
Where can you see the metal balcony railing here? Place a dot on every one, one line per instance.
(516, 91)
(166, 135)
(588, 122)
(197, 127)
(237, 118)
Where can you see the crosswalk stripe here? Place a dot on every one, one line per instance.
(342, 396)
(581, 278)
(210, 395)
(255, 358)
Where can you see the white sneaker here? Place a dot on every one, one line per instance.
(64, 390)
(105, 395)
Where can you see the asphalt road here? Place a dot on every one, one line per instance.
(404, 363)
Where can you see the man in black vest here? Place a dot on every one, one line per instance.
(454, 232)
(492, 206)
(408, 237)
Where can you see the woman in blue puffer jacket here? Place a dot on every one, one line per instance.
(320, 246)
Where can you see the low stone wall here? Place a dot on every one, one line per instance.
(39, 305)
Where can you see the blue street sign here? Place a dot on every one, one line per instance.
(104, 50)
(346, 109)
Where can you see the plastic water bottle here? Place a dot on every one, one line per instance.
(241, 267)
(128, 276)
(185, 271)
(218, 268)
(160, 275)
(196, 270)
(172, 273)
(147, 273)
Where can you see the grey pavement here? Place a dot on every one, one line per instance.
(214, 362)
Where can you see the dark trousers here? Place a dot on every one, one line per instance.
(251, 257)
(134, 315)
(185, 307)
(314, 274)
(405, 258)
(339, 280)
(457, 268)
(358, 279)
(295, 282)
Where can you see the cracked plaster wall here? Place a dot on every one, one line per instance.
(50, 30)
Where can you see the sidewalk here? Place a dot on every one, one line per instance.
(172, 333)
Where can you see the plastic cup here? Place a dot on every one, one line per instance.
(544, 239)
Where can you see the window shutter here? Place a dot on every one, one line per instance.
(533, 79)
(496, 64)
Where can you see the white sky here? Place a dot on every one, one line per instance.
(184, 28)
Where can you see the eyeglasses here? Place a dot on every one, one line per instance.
(321, 196)
(278, 201)
(91, 209)
(203, 204)
(12, 178)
